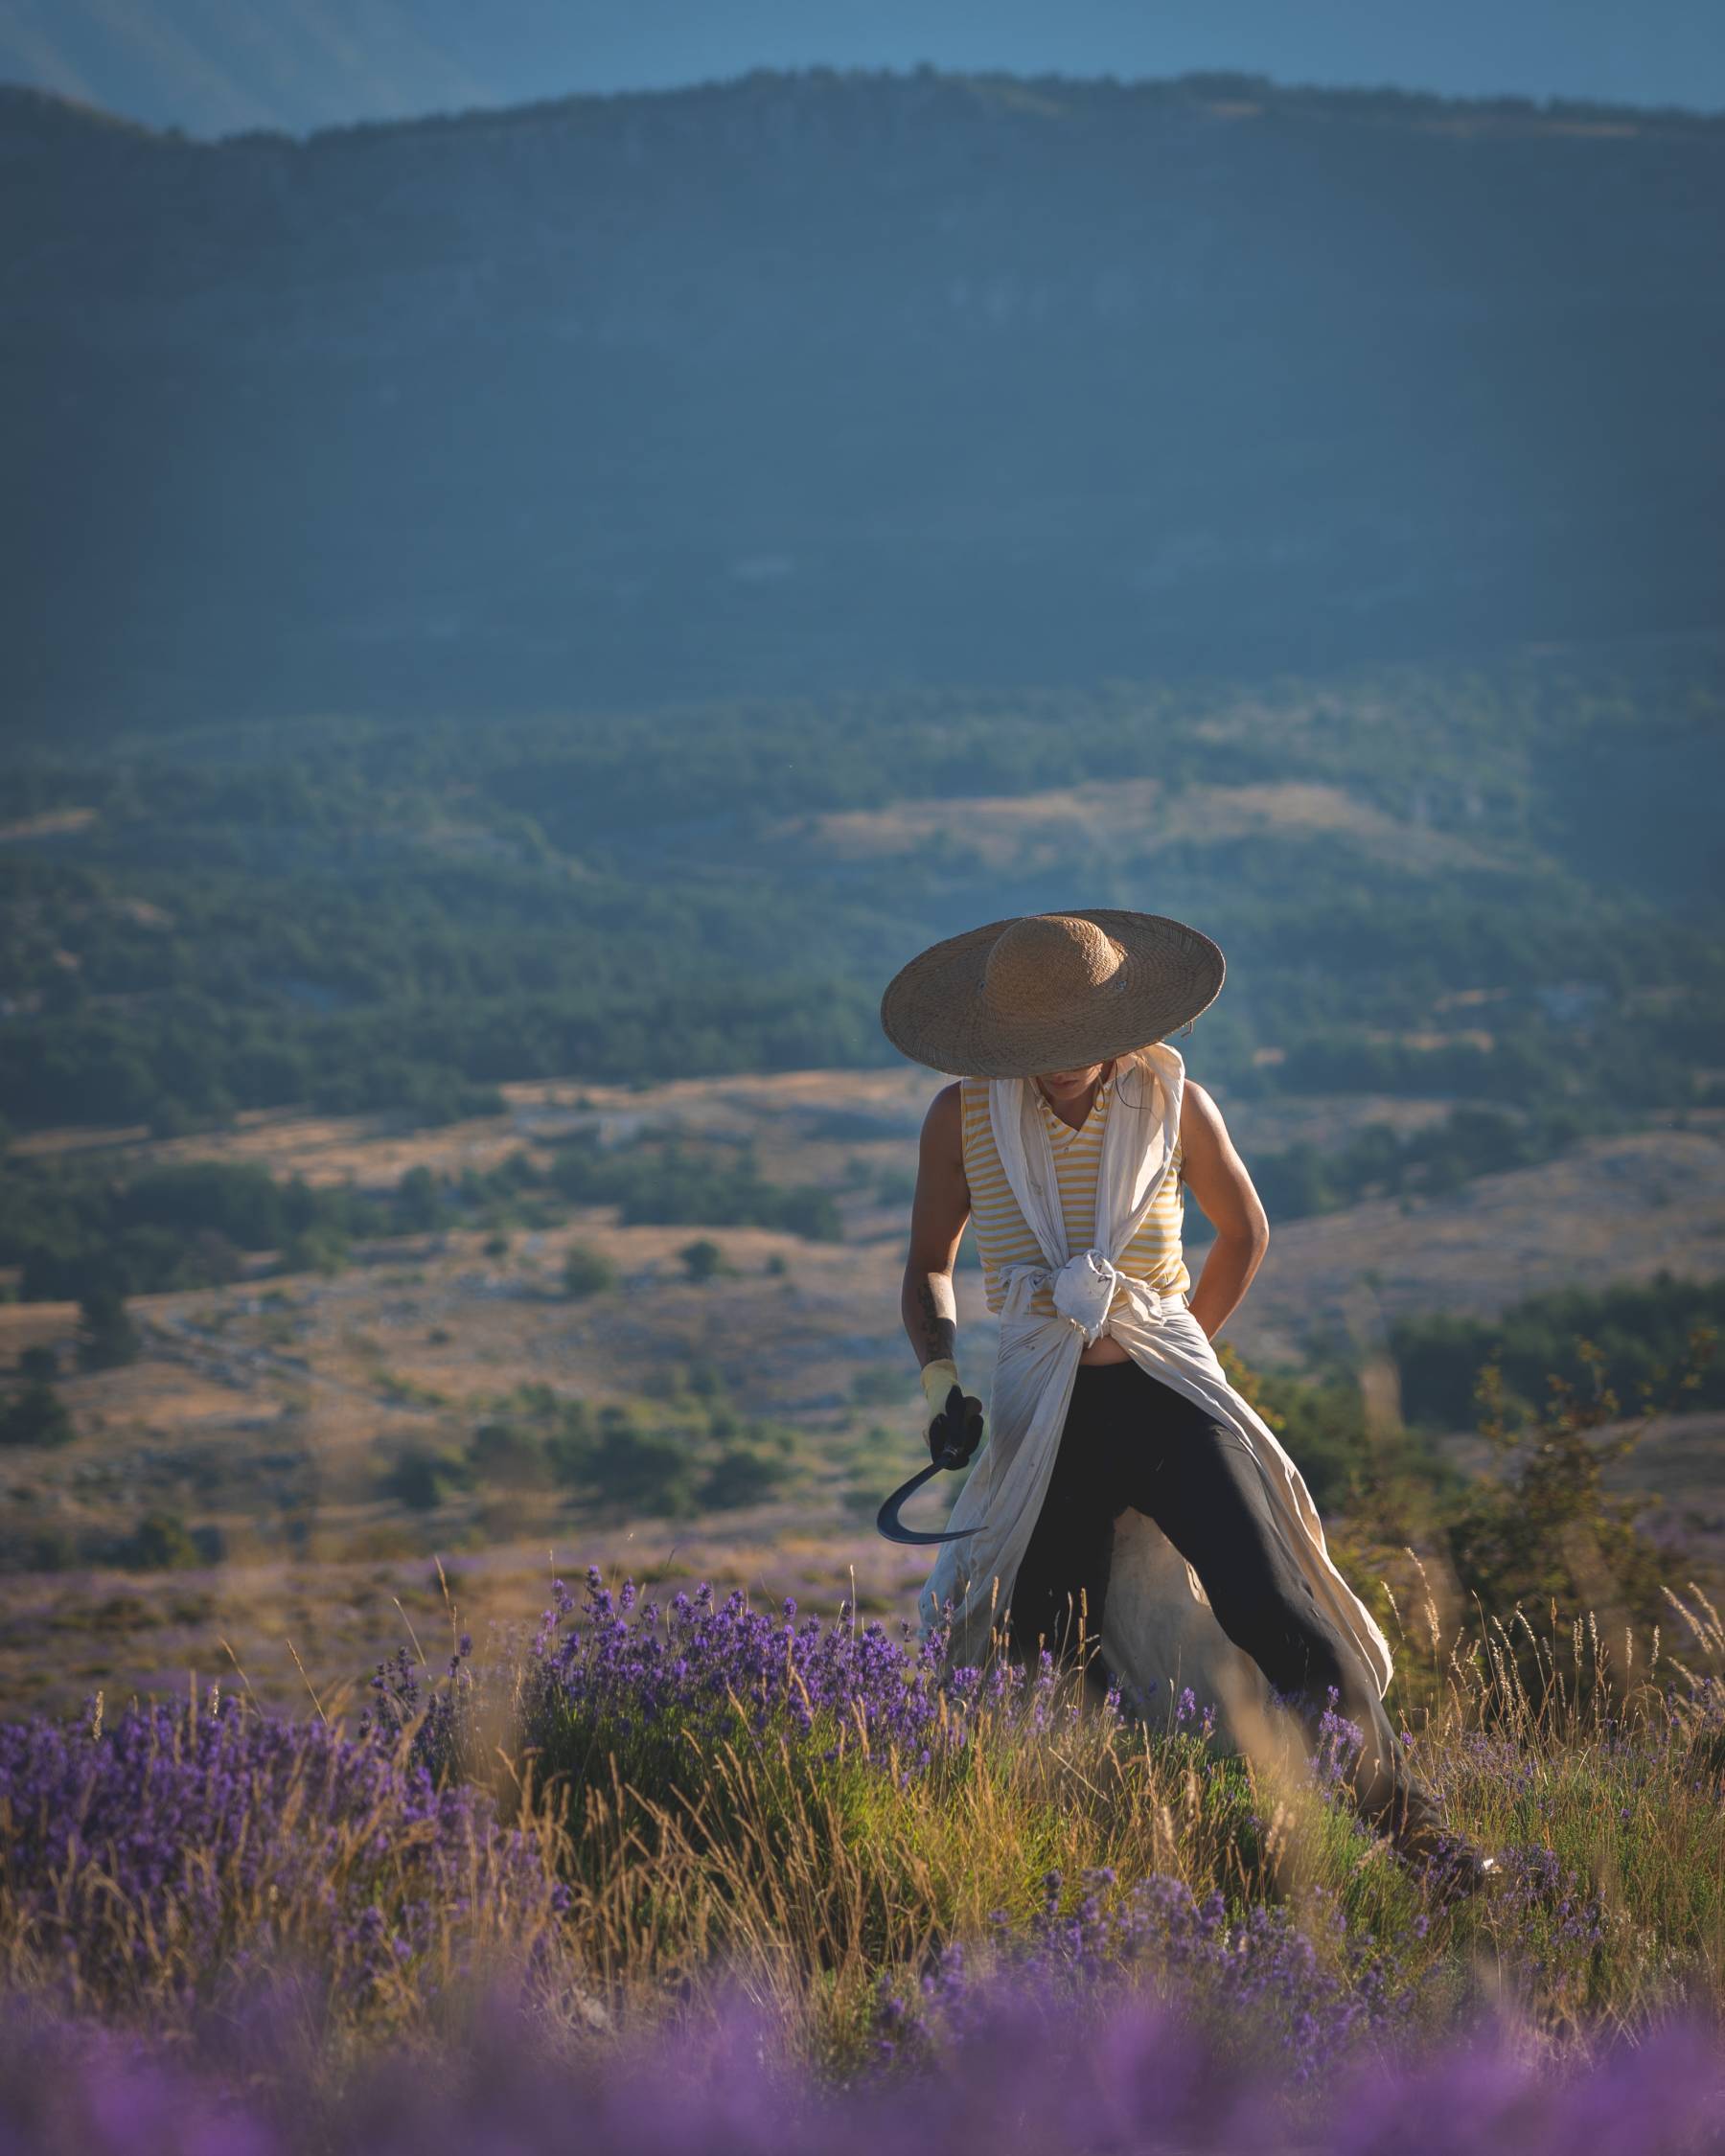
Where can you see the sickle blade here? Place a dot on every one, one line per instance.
(887, 1518)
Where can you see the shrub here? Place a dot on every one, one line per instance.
(504, 1454)
(161, 1543)
(36, 1415)
(742, 1475)
(322, 1249)
(587, 1272)
(421, 1480)
(52, 1549)
(1541, 1528)
(419, 1202)
(651, 1469)
(107, 1337)
(702, 1260)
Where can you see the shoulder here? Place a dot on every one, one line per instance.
(1200, 1118)
(1205, 1137)
(945, 1119)
(941, 1153)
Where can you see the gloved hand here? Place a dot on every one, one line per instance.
(957, 1423)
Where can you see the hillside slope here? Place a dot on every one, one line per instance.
(268, 1413)
(799, 383)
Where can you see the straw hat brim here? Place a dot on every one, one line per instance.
(935, 1012)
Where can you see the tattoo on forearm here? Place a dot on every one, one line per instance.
(937, 1315)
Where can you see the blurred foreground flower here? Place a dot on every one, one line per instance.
(1131, 2079)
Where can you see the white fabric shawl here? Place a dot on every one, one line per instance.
(1158, 1634)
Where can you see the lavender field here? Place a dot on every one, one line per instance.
(704, 1876)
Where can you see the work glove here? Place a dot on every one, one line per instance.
(957, 1427)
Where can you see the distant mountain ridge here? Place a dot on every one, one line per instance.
(800, 383)
(216, 66)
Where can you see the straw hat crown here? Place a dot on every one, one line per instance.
(1048, 963)
(1050, 992)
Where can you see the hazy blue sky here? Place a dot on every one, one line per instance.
(214, 66)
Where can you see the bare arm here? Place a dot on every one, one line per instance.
(1216, 1177)
(938, 1212)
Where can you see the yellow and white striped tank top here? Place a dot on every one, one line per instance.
(1004, 1234)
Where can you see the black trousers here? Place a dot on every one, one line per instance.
(1131, 1441)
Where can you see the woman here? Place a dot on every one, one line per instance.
(1131, 1508)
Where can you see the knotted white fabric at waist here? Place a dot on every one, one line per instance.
(1084, 1289)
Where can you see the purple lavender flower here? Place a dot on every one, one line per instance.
(1022, 2075)
(177, 1847)
(1254, 1979)
(620, 1672)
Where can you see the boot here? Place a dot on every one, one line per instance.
(1399, 1806)
(1447, 1865)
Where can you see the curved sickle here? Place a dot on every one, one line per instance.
(887, 1518)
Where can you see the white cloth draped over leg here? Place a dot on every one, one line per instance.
(1158, 1629)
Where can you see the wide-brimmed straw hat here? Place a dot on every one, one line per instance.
(1050, 992)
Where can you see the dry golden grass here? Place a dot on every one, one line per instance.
(1117, 818)
(48, 823)
(818, 1878)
